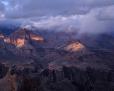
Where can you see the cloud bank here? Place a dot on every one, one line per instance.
(92, 16)
(30, 8)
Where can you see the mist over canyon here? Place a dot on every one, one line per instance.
(56, 45)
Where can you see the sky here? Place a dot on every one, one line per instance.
(92, 16)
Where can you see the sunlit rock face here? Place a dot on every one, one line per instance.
(26, 34)
(17, 42)
(7, 40)
(1, 40)
(75, 47)
(1, 36)
(20, 42)
(36, 38)
(21, 37)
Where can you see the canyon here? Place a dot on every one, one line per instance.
(42, 61)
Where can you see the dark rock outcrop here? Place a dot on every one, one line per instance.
(3, 70)
(67, 79)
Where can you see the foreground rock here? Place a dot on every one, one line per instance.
(66, 79)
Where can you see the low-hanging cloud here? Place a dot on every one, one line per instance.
(88, 23)
(92, 16)
(93, 22)
(106, 13)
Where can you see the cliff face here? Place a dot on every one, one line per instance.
(3, 70)
(75, 47)
(1, 36)
(21, 42)
(66, 79)
(42, 66)
(20, 38)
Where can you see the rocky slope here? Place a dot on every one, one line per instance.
(21, 42)
(35, 78)
(45, 62)
(20, 38)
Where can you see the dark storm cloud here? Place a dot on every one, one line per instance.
(87, 23)
(93, 16)
(32, 8)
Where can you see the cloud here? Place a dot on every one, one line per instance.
(87, 23)
(1, 7)
(30, 8)
(106, 13)
(90, 16)
(92, 22)
(57, 22)
(2, 10)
